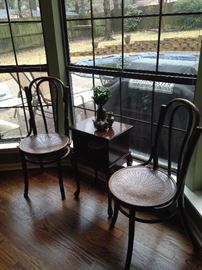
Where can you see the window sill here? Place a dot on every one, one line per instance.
(9, 147)
(195, 199)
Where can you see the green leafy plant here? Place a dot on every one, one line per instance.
(101, 94)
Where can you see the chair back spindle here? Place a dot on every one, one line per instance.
(57, 108)
(166, 121)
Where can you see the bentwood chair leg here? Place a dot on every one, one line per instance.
(115, 215)
(60, 176)
(41, 165)
(130, 239)
(26, 180)
(77, 192)
(109, 210)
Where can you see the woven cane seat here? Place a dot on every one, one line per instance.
(142, 187)
(42, 144)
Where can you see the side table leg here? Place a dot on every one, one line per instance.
(129, 160)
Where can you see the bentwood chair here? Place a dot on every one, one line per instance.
(45, 143)
(151, 189)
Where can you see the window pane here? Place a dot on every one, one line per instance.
(80, 42)
(133, 100)
(114, 102)
(13, 122)
(135, 8)
(164, 92)
(29, 43)
(77, 9)
(179, 6)
(107, 8)
(82, 95)
(9, 126)
(6, 48)
(29, 48)
(24, 10)
(180, 44)
(13, 105)
(140, 38)
(108, 42)
(3, 12)
(140, 138)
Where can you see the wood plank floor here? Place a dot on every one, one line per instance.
(48, 233)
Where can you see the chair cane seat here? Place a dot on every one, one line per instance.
(44, 143)
(142, 186)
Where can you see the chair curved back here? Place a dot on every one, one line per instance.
(56, 109)
(183, 149)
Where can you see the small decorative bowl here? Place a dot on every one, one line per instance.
(100, 125)
(110, 119)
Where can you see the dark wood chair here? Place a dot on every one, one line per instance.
(46, 142)
(151, 189)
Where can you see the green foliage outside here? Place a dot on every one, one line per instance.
(130, 24)
(99, 28)
(187, 22)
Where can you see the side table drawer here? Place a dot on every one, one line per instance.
(91, 150)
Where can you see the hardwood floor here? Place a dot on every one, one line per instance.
(48, 233)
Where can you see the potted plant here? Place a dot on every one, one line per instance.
(101, 95)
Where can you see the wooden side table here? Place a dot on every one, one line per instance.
(100, 150)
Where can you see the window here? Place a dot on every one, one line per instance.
(22, 55)
(147, 52)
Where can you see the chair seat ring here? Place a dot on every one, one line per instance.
(44, 143)
(142, 186)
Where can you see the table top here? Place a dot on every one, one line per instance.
(87, 126)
